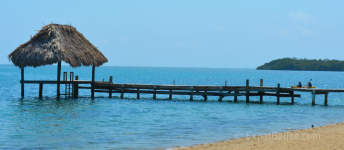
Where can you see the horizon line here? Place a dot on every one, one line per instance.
(143, 66)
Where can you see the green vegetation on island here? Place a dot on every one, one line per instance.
(303, 64)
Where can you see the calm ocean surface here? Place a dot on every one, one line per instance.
(129, 123)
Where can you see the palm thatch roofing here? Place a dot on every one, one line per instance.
(56, 43)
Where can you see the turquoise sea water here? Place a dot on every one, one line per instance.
(130, 123)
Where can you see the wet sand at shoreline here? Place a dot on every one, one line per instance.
(323, 137)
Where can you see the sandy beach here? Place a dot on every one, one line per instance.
(322, 137)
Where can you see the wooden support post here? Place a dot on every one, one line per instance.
(247, 91)
(220, 97)
(313, 97)
(58, 79)
(93, 76)
(292, 96)
(191, 93)
(170, 96)
(110, 92)
(110, 89)
(261, 93)
(76, 88)
(277, 93)
(236, 97)
(205, 96)
(93, 72)
(122, 91)
(326, 98)
(22, 82)
(261, 97)
(261, 82)
(110, 80)
(92, 91)
(40, 90)
(154, 93)
(138, 93)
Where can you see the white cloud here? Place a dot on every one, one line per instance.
(305, 31)
(302, 17)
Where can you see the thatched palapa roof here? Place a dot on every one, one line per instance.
(55, 43)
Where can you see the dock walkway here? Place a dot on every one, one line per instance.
(200, 90)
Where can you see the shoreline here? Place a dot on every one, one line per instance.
(322, 137)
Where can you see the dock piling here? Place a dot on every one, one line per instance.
(110, 89)
(93, 76)
(138, 93)
(58, 79)
(220, 97)
(154, 93)
(278, 93)
(110, 92)
(40, 90)
(261, 82)
(76, 88)
(205, 96)
(71, 79)
(110, 80)
(236, 97)
(191, 93)
(292, 96)
(247, 91)
(261, 93)
(326, 98)
(313, 97)
(22, 82)
(170, 96)
(122, 91)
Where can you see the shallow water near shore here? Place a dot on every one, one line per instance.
(130, 123)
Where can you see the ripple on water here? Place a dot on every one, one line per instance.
(146, 123)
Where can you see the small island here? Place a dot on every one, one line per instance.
(303, 64)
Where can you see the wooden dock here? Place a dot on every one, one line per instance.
(80, 52)
(205, 91)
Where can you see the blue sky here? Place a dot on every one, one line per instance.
(211, 34)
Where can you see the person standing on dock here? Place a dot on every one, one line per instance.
(300, 85)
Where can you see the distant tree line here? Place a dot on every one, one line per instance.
(303, 64)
